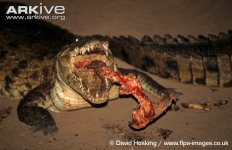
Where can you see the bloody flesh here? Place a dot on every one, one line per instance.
(147, 110)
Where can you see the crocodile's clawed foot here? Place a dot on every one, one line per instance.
(39, 118)
(46, 129)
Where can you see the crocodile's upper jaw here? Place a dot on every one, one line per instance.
(83, 70)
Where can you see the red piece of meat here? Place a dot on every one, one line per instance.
(147, 110)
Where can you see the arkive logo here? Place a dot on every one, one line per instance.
(41, 9)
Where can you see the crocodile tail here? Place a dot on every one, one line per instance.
(197, 60)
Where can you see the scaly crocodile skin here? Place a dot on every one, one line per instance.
(202, 60)
(40, 66)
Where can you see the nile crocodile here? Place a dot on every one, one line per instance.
(40, 66)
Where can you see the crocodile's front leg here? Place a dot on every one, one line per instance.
(33, 110)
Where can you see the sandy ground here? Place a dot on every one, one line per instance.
(94, 128)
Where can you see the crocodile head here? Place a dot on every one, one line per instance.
(79, 66)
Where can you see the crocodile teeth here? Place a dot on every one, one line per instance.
(92, 98)
(91, 46)
(107, 53)
(82, 88)
(97, 95)
(105, 46)
(79, 85)
(83, 52)
(107, 83)
(76, 52)
(74, 77)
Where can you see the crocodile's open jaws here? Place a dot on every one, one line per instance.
(86, 63)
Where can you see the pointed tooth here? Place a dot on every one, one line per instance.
(97, 95)
(107, 53)
(105, 46)
(79, 87)
(107, 81)
(82, 88)
(77, 53)
(83, 51)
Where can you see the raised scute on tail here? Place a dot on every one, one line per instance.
(199, 60)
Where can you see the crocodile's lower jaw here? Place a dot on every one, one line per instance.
(65, 98)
